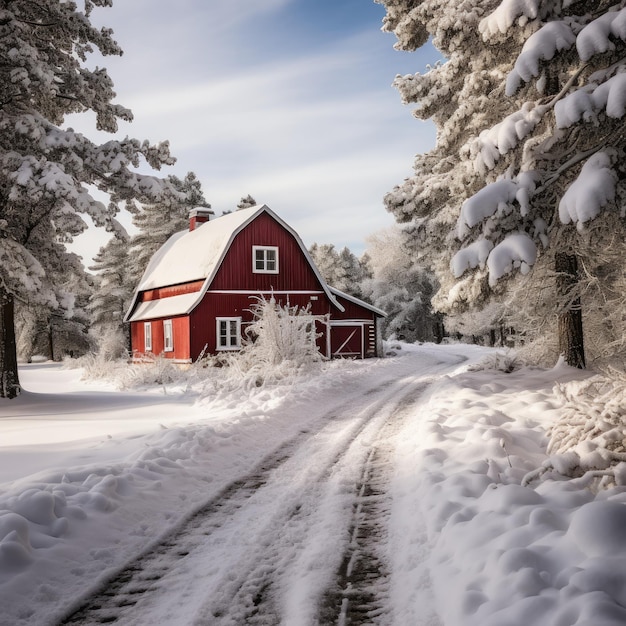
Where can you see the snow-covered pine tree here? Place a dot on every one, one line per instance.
(157, 222)
(401, 287)
(56, 332)
(341, 270)
(46, 171)
(113, 290)
(529, 108)
(246, 202)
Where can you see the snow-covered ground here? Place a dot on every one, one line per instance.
(262, 501)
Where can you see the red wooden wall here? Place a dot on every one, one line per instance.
(236, 269)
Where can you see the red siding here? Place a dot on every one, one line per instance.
(166, 292)
(213, 305)
(236, 269)
(180, 331)
(352, 311)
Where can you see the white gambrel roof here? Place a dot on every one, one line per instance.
(194, 255)
(165, 307)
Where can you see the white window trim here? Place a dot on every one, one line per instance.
(218, 321)
(168, 346)
(264, 248)
(147, 336)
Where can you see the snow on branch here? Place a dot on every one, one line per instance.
(505, 16)
(540, 46)
(590, 192)
(588, 441)
(517, 251)
(487, 148)
(587, 102)
(595, 37)
(470, 257)
(485, 203)
(495, 198)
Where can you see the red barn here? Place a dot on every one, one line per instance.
(196, 293)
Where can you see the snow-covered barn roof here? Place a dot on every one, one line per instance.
(354, 300)
(195, 255)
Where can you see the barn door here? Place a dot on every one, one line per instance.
(346, 340)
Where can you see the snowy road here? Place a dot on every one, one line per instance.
(301, 539)
(388, 492)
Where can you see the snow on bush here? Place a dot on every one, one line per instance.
(280, 344)
(506, 362)
(588, 440)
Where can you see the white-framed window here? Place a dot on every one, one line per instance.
(228, 333)
(168, 336)
(147, 336)
(265, 259)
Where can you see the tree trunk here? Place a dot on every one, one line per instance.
(9, 379)
(50, 340)
(570, 318)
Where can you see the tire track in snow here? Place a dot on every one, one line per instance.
(360, 594)
(160, 577)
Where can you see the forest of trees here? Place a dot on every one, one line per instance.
(513, 222)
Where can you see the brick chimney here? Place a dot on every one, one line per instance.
(198, 216)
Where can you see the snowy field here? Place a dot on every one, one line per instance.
(256, 505)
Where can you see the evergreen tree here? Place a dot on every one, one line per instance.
(341, 270)
(157, 222)
(46, 171)
(401, 287)
(246, 202)
(529, 159)
(113, 290)
(62, 330)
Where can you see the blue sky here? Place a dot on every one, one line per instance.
(287, 100)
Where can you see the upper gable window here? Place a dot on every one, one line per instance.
(265, 259)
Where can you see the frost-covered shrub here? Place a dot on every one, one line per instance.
(502, 361)
(152, 370)
(588, 442)
(280, 342)
(96, 366)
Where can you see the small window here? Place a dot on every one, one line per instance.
(228, 333)
(168, 336)
(147, 337)
(265, 259)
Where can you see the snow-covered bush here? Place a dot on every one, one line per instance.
(153, 370)
(280, 343)
(506, 362)
(588, 442)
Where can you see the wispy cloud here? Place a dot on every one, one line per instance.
(318, 134)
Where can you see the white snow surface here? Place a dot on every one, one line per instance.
(90, 477)
(586, 103)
